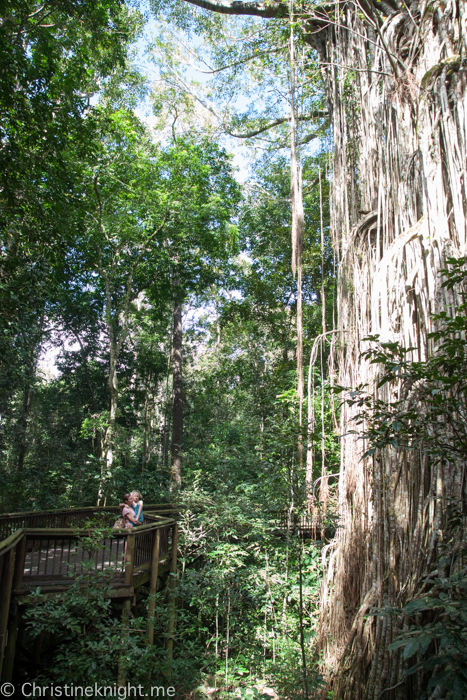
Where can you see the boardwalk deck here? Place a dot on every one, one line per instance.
(58, 558)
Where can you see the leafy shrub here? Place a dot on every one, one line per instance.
(437, 634)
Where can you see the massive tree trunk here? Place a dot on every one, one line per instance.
(397, 90)
(395, 76)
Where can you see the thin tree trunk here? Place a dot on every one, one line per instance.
(115, 314)
(177, 412)
(23, 427)
(217, 626)
(300, 378)
(298, 220)
(324, 486)
(273, 609)
(144, 456)
(107, 454)
(22, 424)
(300, 619)
(167, 415)
(218, 361)
(311, 424)
(227, 641)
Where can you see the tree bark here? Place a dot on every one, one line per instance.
(177, 410)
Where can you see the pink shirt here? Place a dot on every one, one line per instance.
(126, 511)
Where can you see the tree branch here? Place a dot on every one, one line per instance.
(236, 7)
(309, 188)
(319, 114)
(242, 61)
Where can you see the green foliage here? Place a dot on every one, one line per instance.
(242, 412)
(144, 211)
(439, 636)
(54, 56)
(240, 593)
(86, 632)
(84, 628)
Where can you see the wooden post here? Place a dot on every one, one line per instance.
(121, 678)
(172, 589)
(129, 559)
(153, 585)
(10, 651)
(129, 564)
(6, 582)
(177, 409)
(19, 564)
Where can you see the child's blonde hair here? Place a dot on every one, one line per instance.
(137, 495)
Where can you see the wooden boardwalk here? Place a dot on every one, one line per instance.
(64, 558)
(54, 549)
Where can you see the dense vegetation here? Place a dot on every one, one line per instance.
(114, 225)
(171, 325)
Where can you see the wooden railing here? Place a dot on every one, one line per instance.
(50, 556)
(307, 525)
(41, 549)
(302, 522)
(71, 517)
